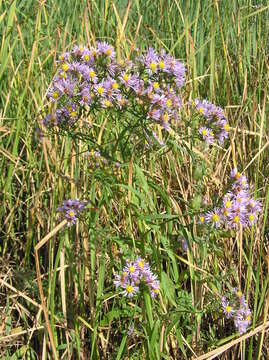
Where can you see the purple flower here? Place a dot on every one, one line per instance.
(150, 60)
(235, 220)
(132, 271)
(71, 209)
(227, 309)
(130, 289)
(105, 49)
(121, 101)
(85, 95)
(206, 134)
(213, 217)
(179, 73)
(251, 218)
(78, 50)
(64, 57)
(130, 80)
(99, 89)
(91, 75)
(141, 265)
(222, 136)
(242, 319)
(254, 205)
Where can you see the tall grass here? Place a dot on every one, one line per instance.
(225, 47)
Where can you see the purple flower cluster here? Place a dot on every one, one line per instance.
(215, 126)
(135, 273)
(237, 309)
(91, 78)
(238, 208)
(71, 209)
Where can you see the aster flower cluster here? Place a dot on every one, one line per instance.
(71, 209)
(236, 308)
(91, 78)
(133, 275)
(238, 208)
(215, 126)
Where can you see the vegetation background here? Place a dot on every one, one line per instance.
(224, 45)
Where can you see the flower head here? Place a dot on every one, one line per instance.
(71, 209)
(135, 273)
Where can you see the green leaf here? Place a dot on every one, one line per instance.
(168, 288)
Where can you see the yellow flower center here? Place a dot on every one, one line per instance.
(86, 57)
(226, 127)
(228, 309)
(92, 74)
(71, 213)
(202, 219)
(100, 90)
(126, 77)
(107, 103)
(169, 103)
(204, 132)
(156, 85)
(73, 114)
(201, 110)
(65, 67)
(141, 264)
(215, 218)
(108, 52)
(153, 66)
(236, 219)
(239, 293)
(115, 85)
(237, 175)
(129, 289)
(132, 269)
(55, 95)
(165, 117)
(228, 204)
(161, 65)
(251, 217)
